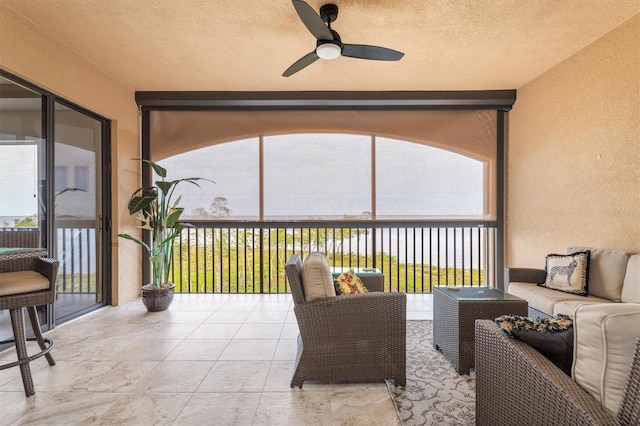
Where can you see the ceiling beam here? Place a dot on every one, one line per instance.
(475, 99)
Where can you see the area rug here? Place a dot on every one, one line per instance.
(435, 394)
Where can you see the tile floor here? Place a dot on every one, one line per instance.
(208, 360)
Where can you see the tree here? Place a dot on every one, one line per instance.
(220, 207)
(200, 212)
(27, 222)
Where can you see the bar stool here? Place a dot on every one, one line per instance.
(26, 281)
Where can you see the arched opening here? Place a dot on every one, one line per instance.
(413, 193)
(331, 176)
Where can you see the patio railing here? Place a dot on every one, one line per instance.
(76, 247)
(413, 256)
(249, 257)
(76, 251)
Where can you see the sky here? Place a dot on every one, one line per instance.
(18, 180)
(330, 175)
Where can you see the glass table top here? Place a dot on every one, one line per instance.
(477, 294)
(7, 251)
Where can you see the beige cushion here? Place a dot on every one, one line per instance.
(566, 307)
(607, 269)
(317, 280)
(603, 348)
(541, 298)
(22, 282)
(631, 287)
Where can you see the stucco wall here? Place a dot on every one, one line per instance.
(27, 52)
(573, 155)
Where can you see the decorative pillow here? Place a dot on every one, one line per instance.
(349, 283)
(568, 272)
(552, 337)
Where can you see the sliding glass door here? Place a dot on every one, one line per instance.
(54, 183)
(22, 174)
(77, 210)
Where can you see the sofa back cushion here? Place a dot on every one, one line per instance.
(607, 269)
(631, 287)
(317, 280)
(604, 336)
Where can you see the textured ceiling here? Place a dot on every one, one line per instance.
(245, 45)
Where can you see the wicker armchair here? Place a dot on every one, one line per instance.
(354, 338)
(516, 385)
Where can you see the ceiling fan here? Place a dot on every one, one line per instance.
(329, 45)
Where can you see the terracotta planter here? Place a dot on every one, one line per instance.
(157, 299)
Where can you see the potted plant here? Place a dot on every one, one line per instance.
(159, 214)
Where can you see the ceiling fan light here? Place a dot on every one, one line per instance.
(328, 51)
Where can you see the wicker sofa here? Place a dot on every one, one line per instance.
(516, 385)
(614, 276)
(350, 338)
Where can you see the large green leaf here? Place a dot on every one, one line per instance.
(137, 203)
(158, 169)
(165, 186)
(193, 180)
(175, 204)
(129, 237)
(180, 226)
(175, 232)
(173, 218)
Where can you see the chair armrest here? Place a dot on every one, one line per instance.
(374, 283)
(515, 384)
(524, 275)
(49, 268)
(356, 314)
(629, 413)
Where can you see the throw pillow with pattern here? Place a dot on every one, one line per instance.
(552, 337)
(568, 272)
(349, 283)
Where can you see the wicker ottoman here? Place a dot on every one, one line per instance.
(455, 310)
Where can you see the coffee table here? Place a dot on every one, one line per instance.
(455, 310)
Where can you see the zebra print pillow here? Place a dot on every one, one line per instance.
(568, 272)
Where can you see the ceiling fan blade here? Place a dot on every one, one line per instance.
(364, 51)
(312, 20)
(301, 63)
